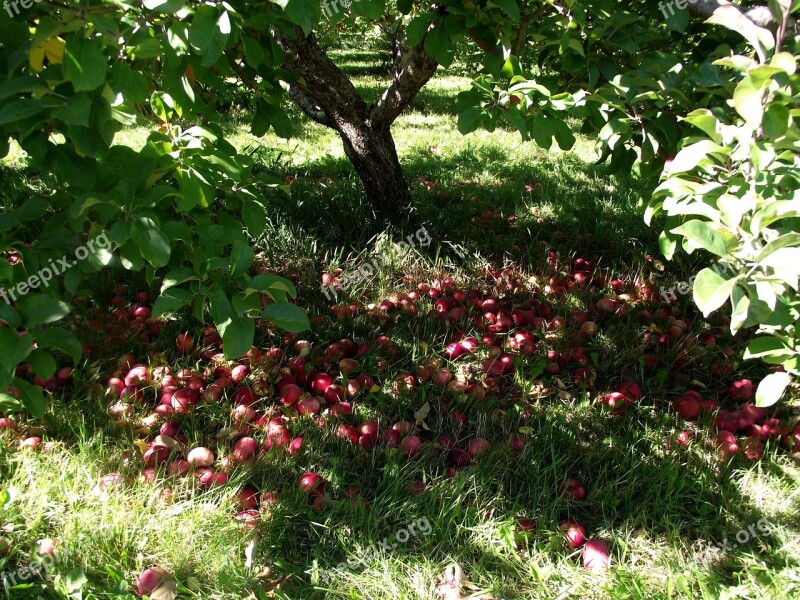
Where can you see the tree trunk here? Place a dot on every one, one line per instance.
(374, 158)
(328, 97)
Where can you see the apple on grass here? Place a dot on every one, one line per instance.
(150, 580)
(596, 557)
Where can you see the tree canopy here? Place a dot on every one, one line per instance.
(703, 111)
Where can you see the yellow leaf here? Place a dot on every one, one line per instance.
(36, 59)
(424, 346)
(525, 430)
(54, 50)
(698, 383)
(141, 445)
(374, 389)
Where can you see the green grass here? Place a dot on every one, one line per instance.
(662, 509)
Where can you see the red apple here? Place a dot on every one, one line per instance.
(410, 445)
(309, 406)
(574, 533)
(574, 488)
(150, 579)
(595, 556)
(477, 446)
(248, 497)
(184, 343)
(244, 449)
(311, 483)
(200, 457)
(741, 390)
(516, 442)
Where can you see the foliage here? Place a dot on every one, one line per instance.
(73, 74)
(71, 79)
(731, 188)
(733, 191)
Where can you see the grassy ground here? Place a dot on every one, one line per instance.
(670, 515)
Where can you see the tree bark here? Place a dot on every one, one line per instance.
(327, 96)
(374, 157)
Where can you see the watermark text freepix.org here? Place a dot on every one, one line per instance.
(15, 5)
(745, 535)
(40, 564)
(421, 526)
(685, 287)
(46, 274)
(369, 268)
(671, 6)
(330, 8)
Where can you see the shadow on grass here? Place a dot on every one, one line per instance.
(513, 210)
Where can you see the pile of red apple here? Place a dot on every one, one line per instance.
(490, 334)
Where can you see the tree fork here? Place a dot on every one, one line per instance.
(327, 96)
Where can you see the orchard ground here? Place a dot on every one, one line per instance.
(679, 506)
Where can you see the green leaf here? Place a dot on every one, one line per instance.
(748, 99)
(731, 17)
(84, 64)
(415, 32)
(171, 300)
(76, 111)
(241, 258)
(690, 156)
(771, 388)
(704, 119)
(470, 120)
(219, 304)
(246, 305)
(510, 7)
(237, 336)
(9, 404)
(209, 33)
(37, 309)
(60, 339)
(32, 397)
(288, 316)
(19, 110)
(767, 347)
(178, 276)
(711, 290)
(305, 13)
(18, 85)
(704, 235)
(152, 243)
(253, 51)
(165, 6)
(43, 363)
(789, 239)
(266, 282)
(14, 348)
(10, 315)
(776, 120)
(254, 216)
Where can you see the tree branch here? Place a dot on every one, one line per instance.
(322, 84)
(415, 70)
(315, 113)
(519, 38)
(488, 46)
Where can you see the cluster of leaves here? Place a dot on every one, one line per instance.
(731, 191)
(734, 191)
(184, 209)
